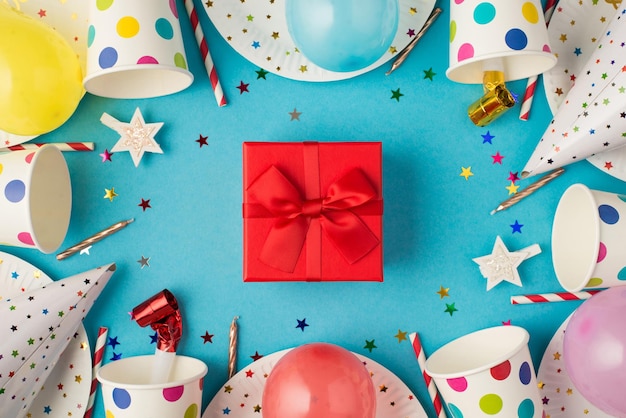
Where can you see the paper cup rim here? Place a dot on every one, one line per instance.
(39, 153)
(470, 71)
(472, 342)
(566, 282)
(202, 371)
(103, 82)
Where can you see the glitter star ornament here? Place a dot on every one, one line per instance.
(40, 324)
(501, 264)
(136, 137)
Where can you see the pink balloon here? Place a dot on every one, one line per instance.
(594, 348)
(319, 380)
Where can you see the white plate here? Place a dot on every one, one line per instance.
(70, 19)
(579, 24)
(239, 396)
(560, 397)
(66, 392)
(258, 31)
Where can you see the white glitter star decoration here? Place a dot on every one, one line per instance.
(136, 137)
(502, 264)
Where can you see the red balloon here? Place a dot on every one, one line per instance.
(319, 380)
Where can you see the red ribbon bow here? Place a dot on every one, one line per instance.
(294, 215)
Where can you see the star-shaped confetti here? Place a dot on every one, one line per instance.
(144, 261)
(501, 264)
(450, 308)
(261, 73)
(106, 156)
(395, 94)
(429, 74)
(113, 342)
(497, 158)
(243, 87)
(443, 292)
(512, 188)
(369, 345)
(401, 336)
(466, 172)
(295, 115)
(136, 137)
(516, 227)
(202, 140)
(110, 193)
(302, 324)
(487, 137)
(207, 338)
(145, 204)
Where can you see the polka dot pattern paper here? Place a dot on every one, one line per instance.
(484, 30)
(135, 49)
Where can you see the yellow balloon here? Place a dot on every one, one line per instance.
(40, 75)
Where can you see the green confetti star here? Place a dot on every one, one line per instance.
(450, 308)
(261, 73)
(429, 74)
(369, 345)
(395, 94)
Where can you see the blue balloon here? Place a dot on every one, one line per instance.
(342, 35)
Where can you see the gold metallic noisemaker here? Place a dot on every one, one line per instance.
(496, 100)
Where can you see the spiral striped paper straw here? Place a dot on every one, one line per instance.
(206, 54)
(62, 146)
(531, 85)
(97, 362)
(553, 297)
(430, 384)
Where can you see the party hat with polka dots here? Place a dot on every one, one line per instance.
(592, 118)
(36, 328)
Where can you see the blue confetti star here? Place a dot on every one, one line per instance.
(116, 356)
(154, 338)
(45, 311)
(256, 44)
(302, 324)
(487, 137)
(226, 411)
(15, 275)
(517, 227)
(113, 342)
(577, 51)
(47, 409)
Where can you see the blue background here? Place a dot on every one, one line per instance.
(435, 221)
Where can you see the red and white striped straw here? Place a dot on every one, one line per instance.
(97, 362)
(206, 54)
(62, 146)
(531, 85)
(553, 297)
(430, 384)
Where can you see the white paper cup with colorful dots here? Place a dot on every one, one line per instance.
(589, 239)
(135, 49)
(36, 198)
(127, 390)
(511, 30)
(488, 373)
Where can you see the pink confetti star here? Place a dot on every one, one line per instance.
(106, 156)
(497, 158)
(513, 177)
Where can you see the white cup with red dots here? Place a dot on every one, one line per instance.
(488, 373)
(135, 49)
(588, 232)
(127, 390)
(35, 199)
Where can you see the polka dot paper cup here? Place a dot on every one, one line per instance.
(512, 31)
(588, 239)
(135, 49)
(488, 373)
(128, 393)
(35, 199)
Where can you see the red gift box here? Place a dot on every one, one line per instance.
(312, 211)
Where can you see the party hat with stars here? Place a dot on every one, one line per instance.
(592, 117)
(36, 328)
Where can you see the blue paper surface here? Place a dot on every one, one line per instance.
(435, 220)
